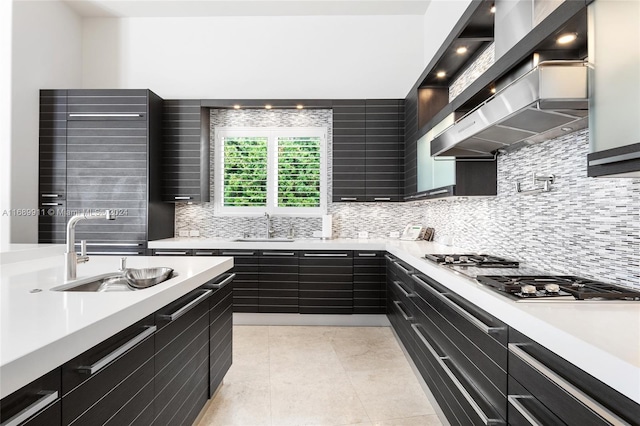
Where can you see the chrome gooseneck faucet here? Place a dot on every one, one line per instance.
(270, 230)
(71, 258)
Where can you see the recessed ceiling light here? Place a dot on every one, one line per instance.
(299, 106)
(461, 50)
(267, 106)
(493, 9)
(567, 38)
(441, 74)
(236, 106)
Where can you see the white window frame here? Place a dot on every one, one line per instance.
(272, 133)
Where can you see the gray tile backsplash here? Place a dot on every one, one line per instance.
(584, 226)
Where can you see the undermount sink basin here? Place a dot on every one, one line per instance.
(130, 280)
(263, 240)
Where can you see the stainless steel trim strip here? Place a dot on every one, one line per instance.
(440, 360)
(104, 115)
(367, 254)
(104, 361)
(111, 244)
(182, 198)
(402, 312)
(513, 400)
(348, 198)
(275, 253)
(585, 399)
(203, 253)
(47, 398)
(325, 255)
(160, 253)
(114, 252)
(49, 195)
(238, 253)
(405, 292)
(615, 159)
(51, 204)
(473, 320)
(442, 191)
(186, 308)
(382, 199)
(222, 283)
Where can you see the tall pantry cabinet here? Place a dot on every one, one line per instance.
(101, 149)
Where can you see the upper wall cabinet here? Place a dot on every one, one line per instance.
(367, 150)
(185, 151)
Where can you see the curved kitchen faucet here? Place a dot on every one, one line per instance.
(71, 258)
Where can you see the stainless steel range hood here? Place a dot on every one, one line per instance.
(548, 101)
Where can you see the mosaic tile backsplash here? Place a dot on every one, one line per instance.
(584, 226)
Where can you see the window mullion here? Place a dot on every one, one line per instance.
(272, 172)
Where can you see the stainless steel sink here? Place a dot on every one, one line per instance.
(263, 240)
(102, 283)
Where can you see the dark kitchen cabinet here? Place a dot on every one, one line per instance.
(220, 329)
(52, 181)
(36, 404)
(185, 151)
(367, 150)
(278, 281)
(246, 285)
(411, 144)
(112, 157)
(113, 382)
(182, 358)
(325, 282)
(545, 388)
(369, 282)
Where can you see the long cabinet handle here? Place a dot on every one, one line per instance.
(101, 363)
(49, 195)
(389, 258)
(47, 398)
(204, 253)
(585, 399)
(222, 283)
(238, 253)
(348, 198)
(402, 312)
(51, 204)
(114, 253)
(513, 400)
(442, 191)
(402, 268)
(104, 115)
(402, 289)
(326, 255)
(186, 308)
(182, 198)
(367, 254)
(472, 319)
(111, 244)
(276, 253)
(160, 253)
(440, 360)
(382, 199)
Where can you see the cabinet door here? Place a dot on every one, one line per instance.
(52, 166)
(369, 282)
(112, 383)
(326, 282)
(107, 104)
(185, 151)
(278, 281)
(349, 142)
(384, 122)
(246, 266)
(411, 144)
(220, 330)
(182, 359)
(35, 404)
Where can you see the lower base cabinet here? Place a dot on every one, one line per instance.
(220, 330)
(36, 404)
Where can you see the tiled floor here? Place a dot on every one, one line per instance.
(318, 376)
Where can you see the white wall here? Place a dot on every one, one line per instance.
(439, 19)
(46, 54)
(5, 118)
(256, 57)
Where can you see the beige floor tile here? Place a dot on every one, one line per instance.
(431, 420)
(364, 332)
(302, 332)
(323, 401)
(241, 404)
(390, 394)
(364, 354)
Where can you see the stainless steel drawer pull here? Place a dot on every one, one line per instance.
(182, 198)
(276, 253)
(585, 399)
(473, 320)
(440, 360)
(348, 198)
(111, 244)
(401, 288)
(367, 254)
(49, 195)
(186, 308)
(389, 258)
(402, 312)
(382, 199)
(103, 362)
(51, 204)
(104, 115)
(47, 398)
(326, 255)
(238, 253)
(203, 253)
(442, 191)
(402, 268)
(513, 400)
(160, 253)
(114, 253)
(222, 283)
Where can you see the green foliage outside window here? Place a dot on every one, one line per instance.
(245, 171)
(299, 172)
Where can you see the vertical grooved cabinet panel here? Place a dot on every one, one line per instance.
(411, 144)
(220, 334)
(246, 266)
(349, 139)
(369, 282)
(185, 151)
(325, 282)
(278, 281)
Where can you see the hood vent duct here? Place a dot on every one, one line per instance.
(547, 102)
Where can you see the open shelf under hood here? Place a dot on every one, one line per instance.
(548, 101)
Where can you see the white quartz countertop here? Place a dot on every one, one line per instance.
(41, 331)
(600, 337)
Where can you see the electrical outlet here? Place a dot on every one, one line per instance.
(363, 234)
(394, 234)
(194, 233)
(183, 233)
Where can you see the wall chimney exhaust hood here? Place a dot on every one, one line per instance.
(548, 101)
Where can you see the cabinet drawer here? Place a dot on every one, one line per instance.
(571, 394)
(37, 403)
(526, 410)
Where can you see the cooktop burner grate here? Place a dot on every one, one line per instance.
(477, 260)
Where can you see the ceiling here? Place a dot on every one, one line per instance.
(193, 8)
